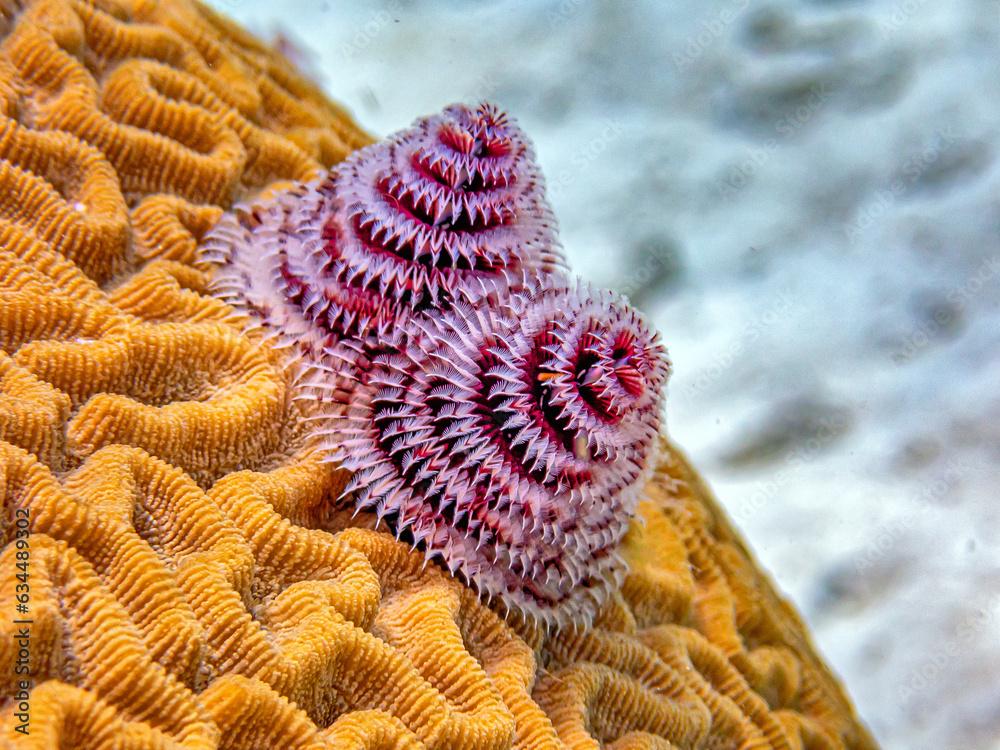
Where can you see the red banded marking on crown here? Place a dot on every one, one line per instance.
(452, 208)
(341, 312)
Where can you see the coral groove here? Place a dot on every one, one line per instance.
(189, 588)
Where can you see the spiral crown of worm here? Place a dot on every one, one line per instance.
(511, 441)
(452, 208)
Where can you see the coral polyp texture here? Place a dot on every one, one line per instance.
(511, 440)
(452, 208)
(188, 587)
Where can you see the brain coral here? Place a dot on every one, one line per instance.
(163, 507)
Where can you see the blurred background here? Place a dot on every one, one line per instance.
(804, 195)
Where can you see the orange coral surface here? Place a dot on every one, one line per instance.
(162, 503)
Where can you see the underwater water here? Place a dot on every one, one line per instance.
(805, 198)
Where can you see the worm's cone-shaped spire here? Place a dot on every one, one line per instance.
(511, 440)
(452, 208)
